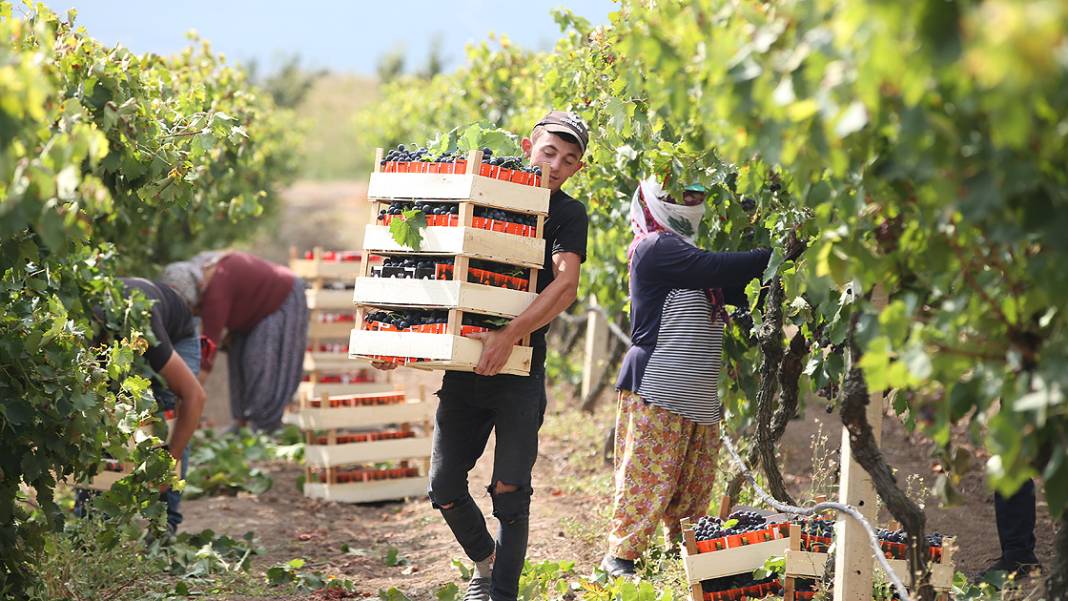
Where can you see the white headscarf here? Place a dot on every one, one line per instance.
(680, 219)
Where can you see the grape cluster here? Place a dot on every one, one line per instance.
(428, 208)
(495, 267)
(514, 163)
(404, 154)
(402, 320)
(499, 215)
(710, 528)
(748, 204)
(901, 537)
(482, 321)
(818, 527)
(418, 268)
(727, 583)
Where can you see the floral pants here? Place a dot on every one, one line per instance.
(665, 470)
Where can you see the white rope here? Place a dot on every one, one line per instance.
(849, 510)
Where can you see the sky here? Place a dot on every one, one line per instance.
(342, 36)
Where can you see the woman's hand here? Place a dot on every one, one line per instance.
(383, 365)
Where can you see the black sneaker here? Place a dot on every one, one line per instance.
(616, 567)
(478, 589)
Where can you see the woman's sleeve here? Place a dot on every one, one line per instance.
(681, 265)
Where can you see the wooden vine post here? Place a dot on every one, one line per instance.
(853, 560)
(596, 349)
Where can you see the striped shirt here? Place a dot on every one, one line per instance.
(675, 342)
(689, 344)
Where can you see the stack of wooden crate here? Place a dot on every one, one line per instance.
(327, 367)
(366, 447)
(457, 289)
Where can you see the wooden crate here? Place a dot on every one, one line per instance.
(442, 294)
(324, 418)
(366, 452)
(484, 191)
(329, 299)
(413, 415)
(317, 389)
(724, 562)
(808, 564)
(462, 241)
(318, 330)
(442, 351)
(332, 362)
(317, 268)
(367, 492)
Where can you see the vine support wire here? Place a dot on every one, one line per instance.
(848, 510)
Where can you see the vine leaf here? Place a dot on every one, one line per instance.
(408, 230)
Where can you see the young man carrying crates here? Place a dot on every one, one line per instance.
(474, 404)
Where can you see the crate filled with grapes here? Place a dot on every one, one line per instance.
(808, 555)
(720, 551)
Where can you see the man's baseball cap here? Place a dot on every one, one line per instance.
(566, 122)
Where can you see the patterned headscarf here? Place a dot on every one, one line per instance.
(650, 212)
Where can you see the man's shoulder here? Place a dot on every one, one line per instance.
(565, 206)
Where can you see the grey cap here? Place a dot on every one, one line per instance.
(566, 122)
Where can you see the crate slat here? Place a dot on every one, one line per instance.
(366, 452)
(336, 330)
(444, 351)
(317, 389)
(327, 362)
(485, 191)
(467, 241)
(310, 269)
(367, 492)
(364, 417)
(728, 562)
(465, 296)
(329, 299)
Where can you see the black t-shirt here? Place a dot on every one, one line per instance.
(565, 231)
(171, 319)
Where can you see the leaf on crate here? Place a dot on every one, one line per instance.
(407, 231)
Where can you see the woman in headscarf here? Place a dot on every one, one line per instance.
(667, 420)
(262, 308)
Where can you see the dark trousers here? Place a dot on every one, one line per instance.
(1016, 524)
(471, 407)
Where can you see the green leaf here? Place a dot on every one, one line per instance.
(407, 231)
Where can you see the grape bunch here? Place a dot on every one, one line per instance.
(483, 321)
(418, 268)
(406, 155)
(515, 162)
(818, 527)
(427, 208)
(403, 154)
(727, 583)
(495, 267)
(499, 215)
(402, 320)
(709, 527)
(901, 537)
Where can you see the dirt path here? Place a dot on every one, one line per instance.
(570, 510)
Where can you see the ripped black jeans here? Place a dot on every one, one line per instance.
(471, 406)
